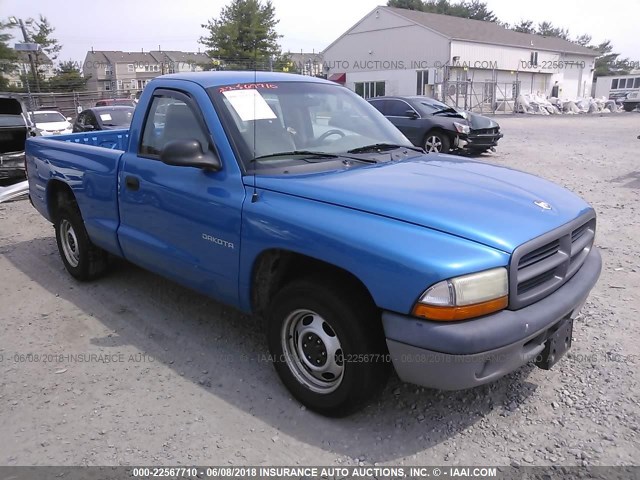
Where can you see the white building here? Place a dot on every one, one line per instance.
(617, 86)
(23, 70)
(394, 51)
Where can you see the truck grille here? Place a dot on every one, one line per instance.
(541, 266)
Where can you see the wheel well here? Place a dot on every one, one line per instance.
(58, 194)
(275, 268)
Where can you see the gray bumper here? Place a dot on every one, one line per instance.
(458, 355)
(12, 165)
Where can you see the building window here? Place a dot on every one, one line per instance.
(636, 83)
(108, 70)
(130, 68)
(614, 84)
(534, 59)
(423, 79)
(107, 86)
(120, 85)
(370, 89)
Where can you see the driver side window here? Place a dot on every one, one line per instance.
(170, 118)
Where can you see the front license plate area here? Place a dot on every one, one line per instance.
(556, 345)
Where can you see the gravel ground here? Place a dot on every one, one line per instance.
(179, 379)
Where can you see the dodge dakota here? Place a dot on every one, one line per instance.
(293, 199)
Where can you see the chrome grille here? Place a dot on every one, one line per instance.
(541, 266)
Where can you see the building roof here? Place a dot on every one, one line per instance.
(43, 59)
(184, 57)
(303, 57)
(457, 28)
(154, 56)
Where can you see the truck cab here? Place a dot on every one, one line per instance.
(293, 199)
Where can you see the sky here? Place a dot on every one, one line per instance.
(310, 26)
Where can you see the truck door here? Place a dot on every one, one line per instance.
(182, 222)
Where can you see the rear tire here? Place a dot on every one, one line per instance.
(437, 142)
(327, 345)
(82, 259)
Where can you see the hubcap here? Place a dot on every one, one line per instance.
(69, 243)
(433, 144)
(312, 351)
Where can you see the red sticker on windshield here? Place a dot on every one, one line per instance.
(247, 86)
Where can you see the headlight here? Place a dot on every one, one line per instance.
(465, 297)
(461, 128)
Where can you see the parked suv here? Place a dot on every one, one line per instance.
(15, 127)
(437, 127)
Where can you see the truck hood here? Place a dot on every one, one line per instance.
(489, 204)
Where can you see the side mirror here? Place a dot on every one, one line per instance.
(188, 153)
(411, 113)
(68, 119)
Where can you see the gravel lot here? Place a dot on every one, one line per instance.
(186, 382)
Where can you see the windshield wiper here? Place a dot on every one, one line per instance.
(382, 146)
(307, 153)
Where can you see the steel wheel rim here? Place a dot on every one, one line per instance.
(312, 351)
(433, 144)
(69, 242)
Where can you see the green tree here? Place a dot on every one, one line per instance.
(525, 26)
(407, 4)
(7, 56)
(40, 31)
(547, 29)
(608, 62)
(244, 36)
(67, 78)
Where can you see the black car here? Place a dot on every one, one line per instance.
(15, 128)
(437, 127)
(103, 118)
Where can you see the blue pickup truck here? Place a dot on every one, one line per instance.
(293, 199)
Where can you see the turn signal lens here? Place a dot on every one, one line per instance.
(465, 297)
(460, 313)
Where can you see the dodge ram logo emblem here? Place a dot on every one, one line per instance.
(543, 205)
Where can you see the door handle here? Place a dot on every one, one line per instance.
(132, 183)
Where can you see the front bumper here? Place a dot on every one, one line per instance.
(12, 165)
(459, 355)
(479, 141)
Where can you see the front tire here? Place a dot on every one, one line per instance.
(327, 345)
(82, 259)
(437, 142)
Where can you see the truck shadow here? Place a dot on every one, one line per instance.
(224, 353)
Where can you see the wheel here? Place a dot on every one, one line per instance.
(82, 259)
(436, 142)
(327, 345)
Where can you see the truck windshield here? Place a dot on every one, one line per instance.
(265, 119)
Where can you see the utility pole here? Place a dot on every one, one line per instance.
(34, 72)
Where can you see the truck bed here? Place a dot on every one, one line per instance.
(88, 163)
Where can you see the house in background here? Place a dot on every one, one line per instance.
(124, 73)
(23, 67)
(393, 51)
(308, 63)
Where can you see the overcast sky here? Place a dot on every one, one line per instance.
(176, 25)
